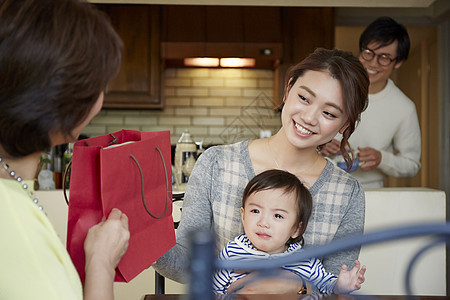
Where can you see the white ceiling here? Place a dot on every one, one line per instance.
(317, 3)
(348, 12)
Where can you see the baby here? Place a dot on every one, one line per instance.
(275, 210)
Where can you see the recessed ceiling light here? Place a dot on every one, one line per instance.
(232, 62)
(201, 62)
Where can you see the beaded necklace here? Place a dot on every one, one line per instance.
(21, 182)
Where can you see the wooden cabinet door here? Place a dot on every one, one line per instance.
(221, 24)
(220, 31)
(138, 84)
(417, 78)
(304, 30)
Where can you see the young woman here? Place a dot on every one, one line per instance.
(56, 58)
(325, 94)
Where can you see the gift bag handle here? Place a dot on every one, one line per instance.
(69, 166)
(142, 185)
(66, 172)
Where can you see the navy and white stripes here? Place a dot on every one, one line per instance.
(311, 270)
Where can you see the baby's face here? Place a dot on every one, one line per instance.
(270, 219)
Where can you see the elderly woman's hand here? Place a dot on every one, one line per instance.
(107, 241)
(104, 246)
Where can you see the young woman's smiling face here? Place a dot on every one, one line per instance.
(313, 112)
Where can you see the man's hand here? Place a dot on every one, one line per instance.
(370, 157)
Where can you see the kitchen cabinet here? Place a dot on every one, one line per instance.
(159, 36)
(304, 29)
(138, 84)
(216, 24)
(290, 33)
(221, 31)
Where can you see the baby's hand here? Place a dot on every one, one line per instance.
(349, 281)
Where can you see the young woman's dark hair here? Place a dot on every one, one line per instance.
(348, 70)
(47, 84)
(385, 31)
(278, 179)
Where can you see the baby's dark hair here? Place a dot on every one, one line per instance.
(278, 179)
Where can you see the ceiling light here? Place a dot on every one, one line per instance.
(201, 62)
(231, 62)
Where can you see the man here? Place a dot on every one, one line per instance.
(387, 140)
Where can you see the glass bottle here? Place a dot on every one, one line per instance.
(45, 176)
(57, 165)
(185, 158)
(67, 158)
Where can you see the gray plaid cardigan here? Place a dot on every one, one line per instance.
(214, 196)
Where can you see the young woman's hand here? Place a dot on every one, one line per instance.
(349, 281)
(104, 246)
(331, 148)
(288, 283)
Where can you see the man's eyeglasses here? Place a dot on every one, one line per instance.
(382, 59)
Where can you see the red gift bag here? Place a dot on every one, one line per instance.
(129, 170)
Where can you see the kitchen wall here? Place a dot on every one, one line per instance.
(218, 106)
(221, 106)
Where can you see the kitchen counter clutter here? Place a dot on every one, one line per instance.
(386, 262)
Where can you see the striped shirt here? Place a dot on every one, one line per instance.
(213, 200)
(312, 270)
